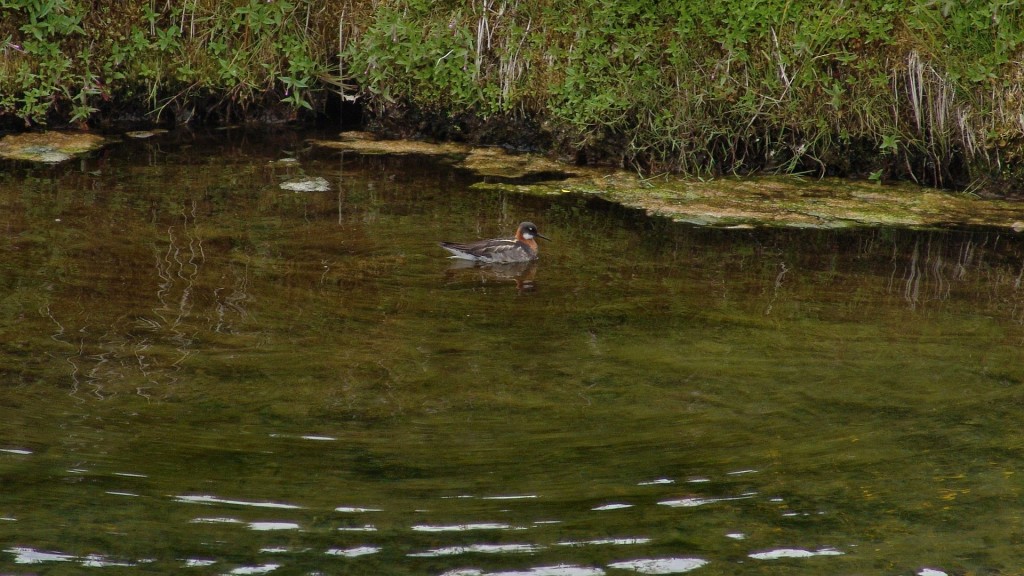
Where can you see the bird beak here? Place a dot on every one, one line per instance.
(539, 235)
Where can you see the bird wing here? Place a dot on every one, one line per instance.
(498, 250)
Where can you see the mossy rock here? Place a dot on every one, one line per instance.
(780, 201)
(49, 147)
(368, 143)
(484, 161)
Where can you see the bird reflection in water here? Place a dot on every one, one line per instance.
(521, 273)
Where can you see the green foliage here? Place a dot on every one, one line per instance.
(406, 53)
(63, 58)
(891, 87)
(36, 87)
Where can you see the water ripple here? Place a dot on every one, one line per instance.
(354, 552)
(461, 527)
(605, 542)
(560, 570)
(794, 553)
(657, 482)
(660, 565)
(32, 556)
(267, 526)
(363, 528)
(611, 507)
(263, 569)
(696, 501)
(207, 499)
(478, 548)
(23, 555)
(221, 520)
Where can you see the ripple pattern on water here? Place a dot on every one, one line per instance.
(559, 570)
(461, 527)
(354, 552)
(794, 553)
(208, 499)
(660, 565)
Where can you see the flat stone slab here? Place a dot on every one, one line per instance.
(49, 147)
(369, 143)
(485, 161)
(786, 201)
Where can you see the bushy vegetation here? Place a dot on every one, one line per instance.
(75, 60)
(926, 89)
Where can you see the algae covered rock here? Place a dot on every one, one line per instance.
(307, 184)
(778, 201)
(49, 147)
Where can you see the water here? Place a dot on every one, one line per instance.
(203, 373)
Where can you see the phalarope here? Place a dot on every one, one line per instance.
(521, 248)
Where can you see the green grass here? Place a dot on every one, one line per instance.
(927, 91)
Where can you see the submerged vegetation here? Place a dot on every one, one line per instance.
(922, 90)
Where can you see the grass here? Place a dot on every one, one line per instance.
(922, 90)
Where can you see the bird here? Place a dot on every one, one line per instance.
(521, 248)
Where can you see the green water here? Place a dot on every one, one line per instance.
(202, 373)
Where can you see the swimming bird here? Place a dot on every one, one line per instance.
(521, 248)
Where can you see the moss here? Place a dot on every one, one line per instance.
(49, 147)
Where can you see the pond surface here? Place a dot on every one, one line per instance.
(204, 373)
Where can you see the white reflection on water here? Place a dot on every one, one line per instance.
(691, 502)
(97, 561)
(611, 507)
(479, 548)
(794, 553)
(605, 542)
(363, 528)
(207, 499)
(32, 556)
(264, 569)
(354, 509)
(560, 570)
(461, 527)
(266, 526)
(354, 552)
(215, 521)
(660, 565)
(20, 451)
(657, 482)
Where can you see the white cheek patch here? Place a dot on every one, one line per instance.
(527, 235)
